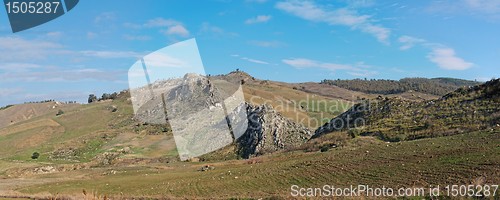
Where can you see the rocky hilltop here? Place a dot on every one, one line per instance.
(197, 102)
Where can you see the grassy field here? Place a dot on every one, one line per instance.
(472, 158)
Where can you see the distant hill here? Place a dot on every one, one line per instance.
(434, 86)
(396, 119)
(16, 113)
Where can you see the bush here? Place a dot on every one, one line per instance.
(60, 112)
(324, 148)
(92, 98)
(35, 155)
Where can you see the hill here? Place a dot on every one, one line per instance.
(102, 148)
(434, 86)
(12, 114)
(395, 119)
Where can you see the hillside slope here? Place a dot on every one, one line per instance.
(395, 119)
(18, 113)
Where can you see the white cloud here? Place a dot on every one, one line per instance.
(487, 6)
(408, 42)
(167, 26)
(18, 67)
(359, 69)
(54, 34)
(255, 61)
(302, 63)
(158, 59)
(15, 49)
(111, 54)
(8, 92)
(177, 30)
(381, 33)
(342, 16)
(250, 59)
(488, 9)
(258, 19)
(161, 22)
(445, 58)
(56, 74)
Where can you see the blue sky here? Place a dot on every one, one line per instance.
(90, 49)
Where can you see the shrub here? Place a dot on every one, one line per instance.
(92, 98)
(324, 148)
(35, 155)
(60, 112)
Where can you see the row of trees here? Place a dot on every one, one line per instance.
(93, 98)
(50, 100)
(43, 101)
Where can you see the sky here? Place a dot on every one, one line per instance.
(90, 49)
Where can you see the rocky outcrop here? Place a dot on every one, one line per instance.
(207, 105)
(268, 131)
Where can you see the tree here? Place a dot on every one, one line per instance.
(92, 98)
(114, 95)
(105, 96)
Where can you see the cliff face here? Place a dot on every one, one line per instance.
(268, 131)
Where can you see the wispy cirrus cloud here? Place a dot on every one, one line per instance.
(258, 19)
(311, 11)
(33, 60)
(251, 59)
(358, 69)
(161, 22)
(18, 67)
(487, 6)
(58, 74)
(112, 54)
(409, 42)
(489, 9)
(169, 27)
(8, 92)
(444, 57)
(19, 49)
